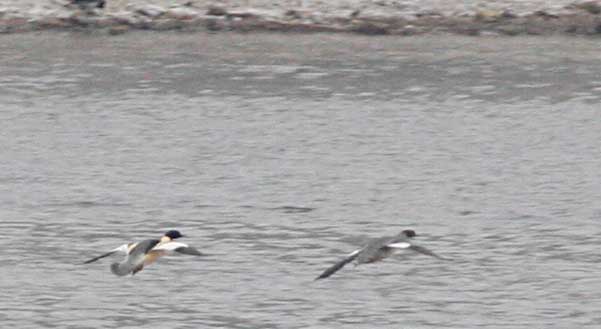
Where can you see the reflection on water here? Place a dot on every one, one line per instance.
(279, 154)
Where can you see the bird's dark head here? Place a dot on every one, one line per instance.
(408, 233)
(173, 234)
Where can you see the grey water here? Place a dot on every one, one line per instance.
(277, 155)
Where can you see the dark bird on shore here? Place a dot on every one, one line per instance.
(146, 252)
(378, 249)
(85, 4)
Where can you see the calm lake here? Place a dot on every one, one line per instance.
(279, 154)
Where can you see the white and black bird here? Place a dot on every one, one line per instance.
(146, 252)
(378, 249)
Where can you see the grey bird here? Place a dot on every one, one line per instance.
(378, 249)
(146, 252)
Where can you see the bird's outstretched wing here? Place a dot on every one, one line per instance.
(425, 251)
(134, 262)
(334, 268)
(179, 247)
(189, 251)
(123, 249)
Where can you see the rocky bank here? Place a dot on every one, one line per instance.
(379, 17)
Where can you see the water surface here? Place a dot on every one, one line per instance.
(278, 154)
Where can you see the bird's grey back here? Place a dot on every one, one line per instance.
(143, 247)
(374, 248)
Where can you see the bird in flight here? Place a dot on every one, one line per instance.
(378, 249)
(146, 252)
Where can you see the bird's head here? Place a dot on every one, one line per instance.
(408, 233)
(173, 234)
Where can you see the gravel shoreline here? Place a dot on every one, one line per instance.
(378, 17)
